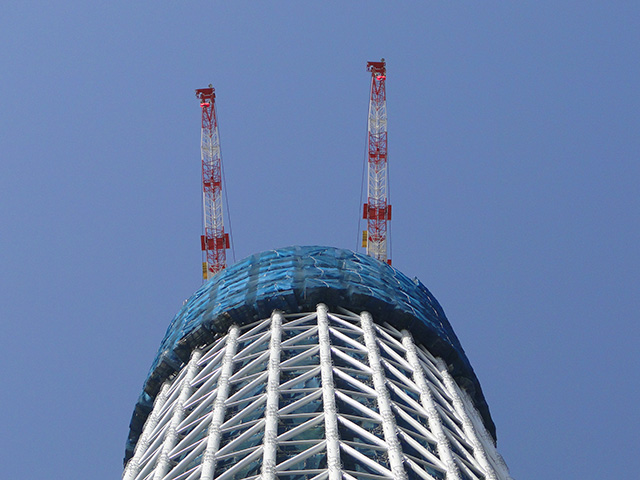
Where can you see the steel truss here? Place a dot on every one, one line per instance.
(377, 210)
(214, 239)
(314, 396)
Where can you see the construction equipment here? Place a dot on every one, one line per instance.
(377, 210)
(214, 240)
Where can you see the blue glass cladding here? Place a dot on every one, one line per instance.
(296, 279)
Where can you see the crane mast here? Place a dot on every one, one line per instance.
(214, 240)
(377, 211)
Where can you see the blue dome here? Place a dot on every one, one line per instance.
(296, 279)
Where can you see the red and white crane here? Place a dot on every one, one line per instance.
(214, 240)
(377, 210)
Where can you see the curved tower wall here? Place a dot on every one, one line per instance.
(311, 362)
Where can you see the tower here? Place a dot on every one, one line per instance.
(377, 211)
(214, 240)
(311, 363)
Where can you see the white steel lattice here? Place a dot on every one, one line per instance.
(314, 396)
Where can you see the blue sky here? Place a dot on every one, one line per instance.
(513, 152)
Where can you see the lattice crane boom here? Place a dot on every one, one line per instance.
(214, 240)
(377, 210)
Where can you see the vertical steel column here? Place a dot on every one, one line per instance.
(133, 467)
(426, 398)
(389, 427)
(494, 457)
(217, 414)
(328, 396)
(273, 399)
(171, 436)
(467, 424)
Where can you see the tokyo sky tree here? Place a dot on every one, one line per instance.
(311, 363)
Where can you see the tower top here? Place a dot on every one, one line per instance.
(206, 94)
(296, 279)
(377, 68)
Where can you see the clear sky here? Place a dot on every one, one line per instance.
(514, 167)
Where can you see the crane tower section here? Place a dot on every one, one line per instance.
(214, 240)
(377, 210)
